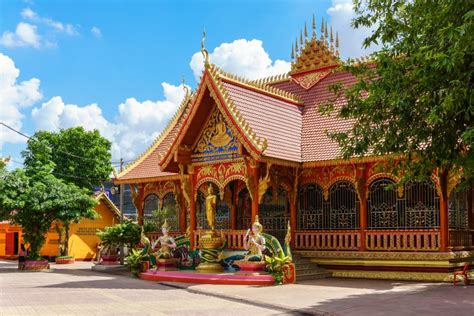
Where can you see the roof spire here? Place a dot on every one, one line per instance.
(204, 52)
(185, 87)
(314, 27)
(326, 37)
(296, 46)
(305, 31)
(322, 28)
(301, 39)
(332, 40)
(337, 44)
(292, 52)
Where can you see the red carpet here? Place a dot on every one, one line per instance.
(207, 278)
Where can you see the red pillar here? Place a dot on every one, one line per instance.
(255, 204)
(140, 207)
(182, 214)
(192, 210)
(233, 208)
(293, 220)
(362, 189)
(443, 211)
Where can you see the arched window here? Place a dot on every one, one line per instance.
(382, 205)
(343, 206)
(170, 211)
(151, 205)
(274, 212)
(310, 207)
(421, 207)
(458, 209)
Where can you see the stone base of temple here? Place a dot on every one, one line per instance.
(413, 266)
(208, 267)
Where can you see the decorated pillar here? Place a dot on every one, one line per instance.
(293, 202)
(361, 187)
(443, 210)
(138, 199)
(182, 214)
(252, 184)
(233, 208)
(192, 205)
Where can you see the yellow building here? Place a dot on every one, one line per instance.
(82, 240)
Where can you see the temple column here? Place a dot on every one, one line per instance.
(293, 202)
(192, 206)
(182, 214)
(233, 208)
(443, 211)
(470, 210)
(255, 202)
(361, 187)
(139, 202)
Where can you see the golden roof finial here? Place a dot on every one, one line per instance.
(204, 51)
(301, 39)
(322, 28)
(326, 37)
(305, 31)
(296, 46)
(337, 44)
(292, 52)
(185, 87)
(314, 27)
(332, 40)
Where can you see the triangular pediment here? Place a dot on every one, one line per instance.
(216, 140)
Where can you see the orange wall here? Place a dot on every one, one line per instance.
(82, 236)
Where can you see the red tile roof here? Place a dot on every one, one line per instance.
(315, 144)
(276, 120)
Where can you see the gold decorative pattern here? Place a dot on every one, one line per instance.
(458, 255)
(393, 275)
(309, 80)
(271, 80)
(313, 56)
(263, 184)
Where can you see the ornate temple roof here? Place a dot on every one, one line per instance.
(275, 117)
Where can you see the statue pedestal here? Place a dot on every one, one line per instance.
(250, 267)
(211, 244)
(167, 264)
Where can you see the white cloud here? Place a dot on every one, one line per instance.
(25, 35)
(350, 40)
(96, 32)
(135, 127)
(14, 97)
(241, 57)
(66, 28)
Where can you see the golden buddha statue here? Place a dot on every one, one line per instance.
(221, 138)
(254, 242)
(167, 243)
(210, 207)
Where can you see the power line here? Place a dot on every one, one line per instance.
(61, 151)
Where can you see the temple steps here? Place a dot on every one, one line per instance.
(307, 270)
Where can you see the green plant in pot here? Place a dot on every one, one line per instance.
(134, 261)
(276, 265)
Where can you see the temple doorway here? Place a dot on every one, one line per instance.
(274, 212)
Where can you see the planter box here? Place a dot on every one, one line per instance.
(60, 260)
(109, 259)
(36, 265)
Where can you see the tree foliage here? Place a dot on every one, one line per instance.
(34, 199)
(127, 233)
(80, 157)
(415, 99)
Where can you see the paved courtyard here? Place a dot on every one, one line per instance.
(75, 290)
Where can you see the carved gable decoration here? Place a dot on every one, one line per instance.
(216, 141)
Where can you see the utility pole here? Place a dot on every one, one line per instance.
(121, 212)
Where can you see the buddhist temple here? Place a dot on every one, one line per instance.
(264, 147)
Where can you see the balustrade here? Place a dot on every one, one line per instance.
(412, 240)
(327, 240)
(461, 238)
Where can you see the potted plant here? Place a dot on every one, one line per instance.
(135, 262)
(126, 233)
(276, 266)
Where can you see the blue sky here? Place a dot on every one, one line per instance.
(117, 65)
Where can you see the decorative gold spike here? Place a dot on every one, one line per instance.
(337, 44)
(296, 46)
(332, 40)
(301, 39)
(204, 51)
(322, 29)
(326, 38)
(314, 27)
(305, 31)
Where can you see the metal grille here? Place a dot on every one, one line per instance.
(343, 206)
(151, 205)
(421, 205)
(169, 202)
(222, 213)
(274, 213)
(382, 205)
(457, 209)
(310, 208)
(244, 210)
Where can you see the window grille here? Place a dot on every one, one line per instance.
(244, 210)
(420, 205)
(382, 205)
(310, 208)
(458, 208)
(343, 206)
(169, 203)
(274, 212)
(151, 205)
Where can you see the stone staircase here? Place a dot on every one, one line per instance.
(307, 270)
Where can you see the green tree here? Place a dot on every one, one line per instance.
(34, 200)
(415, 99)
(80, 158)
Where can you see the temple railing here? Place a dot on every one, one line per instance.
(327, 240)
(234, 238)
(408, 240)
(461, 238)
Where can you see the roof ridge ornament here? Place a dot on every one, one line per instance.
(204, 51)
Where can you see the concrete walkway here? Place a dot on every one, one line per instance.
(75, 290)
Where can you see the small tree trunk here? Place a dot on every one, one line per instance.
(66, 238)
